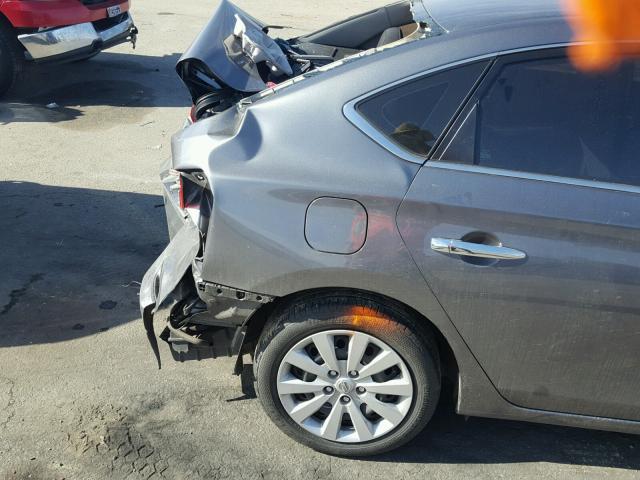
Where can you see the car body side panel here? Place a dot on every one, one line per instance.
(558, 330)
(267, 164)
(289, 149)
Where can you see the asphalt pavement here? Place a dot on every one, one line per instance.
(81, 219)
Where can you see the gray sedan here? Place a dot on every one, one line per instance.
(426, 194)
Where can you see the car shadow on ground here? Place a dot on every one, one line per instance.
(453, 439)
(71, 259)
(59, 93)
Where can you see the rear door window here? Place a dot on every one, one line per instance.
(543, 116)
(414, 114)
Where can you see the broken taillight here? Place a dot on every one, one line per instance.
(195, 197)
(192, 115)
(181, 193)
(192, 187)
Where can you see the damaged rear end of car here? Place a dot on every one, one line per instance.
(307, 211)
(206, 320)
(231, 65)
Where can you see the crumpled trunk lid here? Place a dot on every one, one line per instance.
(228, 53)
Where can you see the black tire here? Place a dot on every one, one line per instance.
(388, 322)
(11, 57)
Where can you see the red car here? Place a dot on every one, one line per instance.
(57, 31)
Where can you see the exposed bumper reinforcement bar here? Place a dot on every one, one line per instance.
(76, 40)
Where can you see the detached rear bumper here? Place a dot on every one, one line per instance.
(77, 41)
(164, 276)
(207, 320)
(169, 268)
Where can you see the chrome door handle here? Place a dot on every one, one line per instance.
(468, 249)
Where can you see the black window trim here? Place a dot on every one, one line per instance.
(351, 113)
(485, 84)
(435, 161)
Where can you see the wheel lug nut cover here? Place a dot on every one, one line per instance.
(345, 399)
(333, 373)
(353, 373)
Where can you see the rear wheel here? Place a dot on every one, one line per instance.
(346, 375)
(10, 57)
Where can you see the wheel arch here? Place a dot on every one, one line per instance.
(255, 324)
(11, 60)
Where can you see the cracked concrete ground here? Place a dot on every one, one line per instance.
(81, 217)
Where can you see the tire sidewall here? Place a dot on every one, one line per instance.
(6, 68)
(9, 59)
(415, 353)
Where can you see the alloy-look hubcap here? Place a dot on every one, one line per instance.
(345, 386)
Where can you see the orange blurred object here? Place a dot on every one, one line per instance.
(362, 315)
(612, 28)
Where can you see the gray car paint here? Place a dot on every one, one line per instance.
(348, 229)
(555, 332)
(266, 163)
(553, 316)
